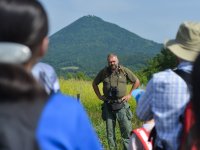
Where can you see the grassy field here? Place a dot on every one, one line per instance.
(93, 106)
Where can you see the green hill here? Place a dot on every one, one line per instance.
(84, 45)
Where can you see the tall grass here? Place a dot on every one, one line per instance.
(93, 106)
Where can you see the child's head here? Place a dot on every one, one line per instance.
(24, 22)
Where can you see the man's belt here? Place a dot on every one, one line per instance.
(116, 104)
(111, 101)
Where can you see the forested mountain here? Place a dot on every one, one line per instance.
(84, 45)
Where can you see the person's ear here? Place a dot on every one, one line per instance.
(117, 60)
(44, 46)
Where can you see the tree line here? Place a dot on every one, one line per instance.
(165, 59)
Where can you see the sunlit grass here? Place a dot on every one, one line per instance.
(93, 106)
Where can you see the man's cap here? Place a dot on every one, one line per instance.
(187, 43)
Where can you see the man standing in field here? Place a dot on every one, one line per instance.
(115, 106)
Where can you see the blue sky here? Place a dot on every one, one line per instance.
(155, 20)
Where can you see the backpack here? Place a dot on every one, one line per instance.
(142, 135)
(187, 119)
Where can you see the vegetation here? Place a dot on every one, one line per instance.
(93, 106)
(83, 46)
(79, 51)
(165, 59)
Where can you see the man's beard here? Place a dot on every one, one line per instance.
(113, 67)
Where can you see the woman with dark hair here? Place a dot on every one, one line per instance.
(23, 39)
(63, 123)
(193, 138)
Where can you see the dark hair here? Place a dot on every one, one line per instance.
(23, 21)
(111, 55)
(193, 137)
(17, 84)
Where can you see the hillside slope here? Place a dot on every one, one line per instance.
(84, 45)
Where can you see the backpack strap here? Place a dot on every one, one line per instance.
(152, 136)
(187, 118)
(185, 76)
(143, 136)
(121, 68)
(107, 72)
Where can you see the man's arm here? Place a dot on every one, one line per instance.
(135, 85)
(97, 92)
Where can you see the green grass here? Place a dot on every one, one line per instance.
(93, 106)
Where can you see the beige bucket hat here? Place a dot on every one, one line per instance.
(187, 43)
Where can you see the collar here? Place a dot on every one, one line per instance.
(185, 66)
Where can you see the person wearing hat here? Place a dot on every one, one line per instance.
(167, 94)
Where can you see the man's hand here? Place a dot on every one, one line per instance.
(103, 98)
(126, 98)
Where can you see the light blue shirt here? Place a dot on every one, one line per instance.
(164, 100)
(46, 75)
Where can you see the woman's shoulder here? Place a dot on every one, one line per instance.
(61, 106)
(166, 74)
(63, 100)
